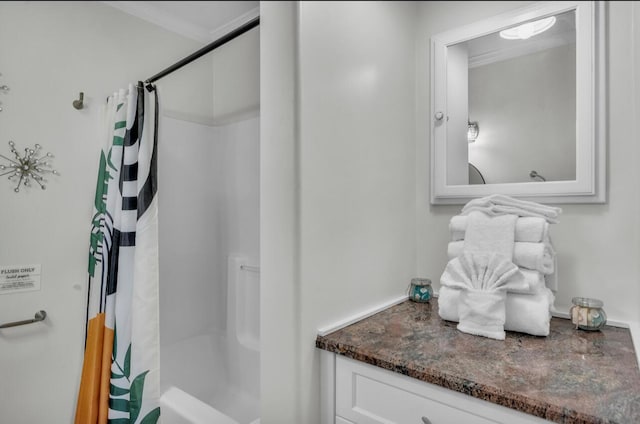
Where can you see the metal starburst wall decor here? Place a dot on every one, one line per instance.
(32, 166)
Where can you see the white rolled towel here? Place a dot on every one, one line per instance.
(551, 280)
(535, 281)
(535, 256)
(524, 313)
(529, 229)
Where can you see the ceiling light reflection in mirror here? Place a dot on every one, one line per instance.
(529, 29)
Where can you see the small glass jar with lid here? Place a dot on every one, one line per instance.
(420, 290)
(587, 314)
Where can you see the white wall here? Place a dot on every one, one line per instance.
(50, 52)
(526, 110)
(337, 180)
(598, 246)
(356, 140)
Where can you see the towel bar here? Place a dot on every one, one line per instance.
(39, 316)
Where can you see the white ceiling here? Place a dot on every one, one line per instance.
(203, 21)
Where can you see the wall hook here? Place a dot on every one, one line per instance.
(78, 104)
(534, 174)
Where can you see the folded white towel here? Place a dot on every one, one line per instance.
(482, 313)
(535, 256)
(483, 272)
(530, 314)
(448, 301)
(531, 229)
(498, 204)
(487, 234)
(524, 313)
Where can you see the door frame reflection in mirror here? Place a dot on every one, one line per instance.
(589, 185)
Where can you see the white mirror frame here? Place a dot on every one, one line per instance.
(590, 183)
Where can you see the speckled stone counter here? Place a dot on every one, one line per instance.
(571, 376)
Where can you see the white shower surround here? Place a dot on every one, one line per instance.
(209, 224)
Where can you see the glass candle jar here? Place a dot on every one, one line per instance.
(420, 290)
(587, 314)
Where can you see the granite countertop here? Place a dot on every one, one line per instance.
(571, 376)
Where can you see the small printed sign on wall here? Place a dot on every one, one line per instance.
(19, 278)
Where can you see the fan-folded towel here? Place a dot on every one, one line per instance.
(483, 280)
(524, 313)
(535, 256)
(482, 313)
(534, 281)
(529, 229)
(483, 271)
(499, 204)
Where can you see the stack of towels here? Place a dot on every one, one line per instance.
(501, 261)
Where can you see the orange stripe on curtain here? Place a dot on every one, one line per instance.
(88, 397)
(93, 396)
(105, 377)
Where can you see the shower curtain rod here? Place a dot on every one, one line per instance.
(206, 49)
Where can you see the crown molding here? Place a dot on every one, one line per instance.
(163, 19)
(237, 22)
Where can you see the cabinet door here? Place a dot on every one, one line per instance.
(369, 395)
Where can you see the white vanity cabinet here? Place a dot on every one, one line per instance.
(366, 394)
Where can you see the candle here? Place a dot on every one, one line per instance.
(420, 290)
(587, 314)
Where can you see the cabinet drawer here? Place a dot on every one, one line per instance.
(370, 395)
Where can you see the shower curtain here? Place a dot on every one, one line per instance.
(120, 380)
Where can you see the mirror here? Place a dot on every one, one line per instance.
(520, 97)
(512, 86)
